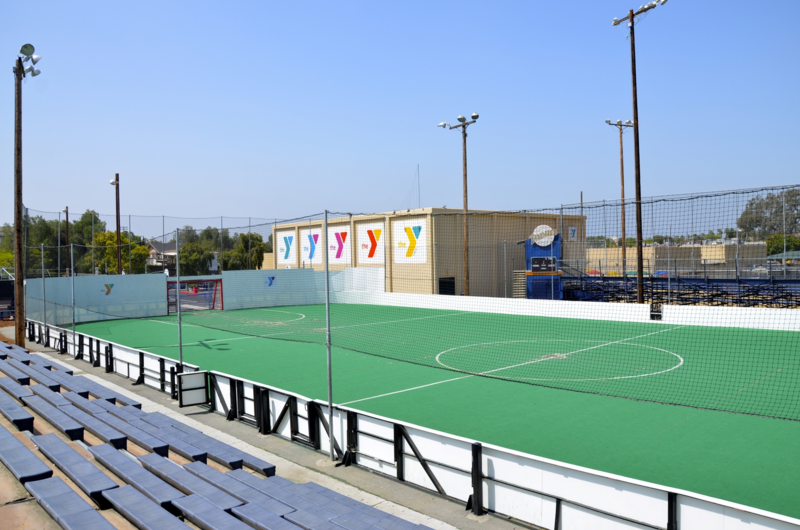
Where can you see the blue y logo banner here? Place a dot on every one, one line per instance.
(288, 242)
(270, 279)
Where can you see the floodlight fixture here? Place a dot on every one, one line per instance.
(36, 58)
(475, 116)
(619, 122)
(27, 49)
(444, 125)
(608, 122)
(113, 182)
(462, 119)
(628, 122)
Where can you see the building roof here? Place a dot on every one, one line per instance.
(795, 254)
(163, 248)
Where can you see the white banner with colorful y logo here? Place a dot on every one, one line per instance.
(370, 244)
(311, 246)
(411, 241)
(339, 245)
(287, 248)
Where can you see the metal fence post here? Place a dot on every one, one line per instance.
(477, 479)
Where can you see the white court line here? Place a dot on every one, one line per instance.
(507, 367)
(298, 331)
(409, 389)
(570, 353)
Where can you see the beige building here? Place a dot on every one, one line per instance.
(422, 250)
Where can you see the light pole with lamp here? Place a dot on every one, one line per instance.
(25, 55)
(66, 211)
(115, 183)
(463, 126)
(631, 18)
(621, 126)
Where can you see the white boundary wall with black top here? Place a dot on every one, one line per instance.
(535, 490)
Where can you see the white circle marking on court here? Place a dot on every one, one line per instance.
(533, 361)
(302, 316)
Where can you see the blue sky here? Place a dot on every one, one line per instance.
(281, 109)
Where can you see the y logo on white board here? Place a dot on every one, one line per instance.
(573, 233)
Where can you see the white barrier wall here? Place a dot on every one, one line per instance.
(732, 317)
(286, 287)
(97, 297)
(505, 306)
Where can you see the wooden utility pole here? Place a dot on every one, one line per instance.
(463, 126)
(637, 169)
(19, 262)
(631, 18)
(620, 125)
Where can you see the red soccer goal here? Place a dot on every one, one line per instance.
(195, 295)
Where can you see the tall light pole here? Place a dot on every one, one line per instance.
(621, 126)
(25, 55)
(66, 211)
(115, 183)
(631, 18)
(463, 126)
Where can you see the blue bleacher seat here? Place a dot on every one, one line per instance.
(103, 431)
(55, 417)
(97, 390)
(248, 460)
(159, 420)
(128, 470)
(278, 492)
(14, 413)
(91, 520)
(13, 373)
(238, 489)
(261, 519)
(82, 403)
(54, 398)
(37, 376)
(310, 521)
(138, 412)
(83, 473)
(119, 412)
(20, 460)
(181, 447)
(39, 361)
(14, 389)
(215, 453)
(186, 482)
(71, 384)
(137, 436)
(141, 511)
(57, 498)
(351, 522)
(362, 508)
(207, 516)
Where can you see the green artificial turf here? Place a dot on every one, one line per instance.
(387, 350)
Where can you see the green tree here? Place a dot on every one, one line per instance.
(775, 244)
(763, 216)
(247, 253)
(105, 255)
(195, 258)
(7, 237)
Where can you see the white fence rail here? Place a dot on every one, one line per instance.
(534, 490)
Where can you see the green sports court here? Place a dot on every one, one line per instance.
(711, 410)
